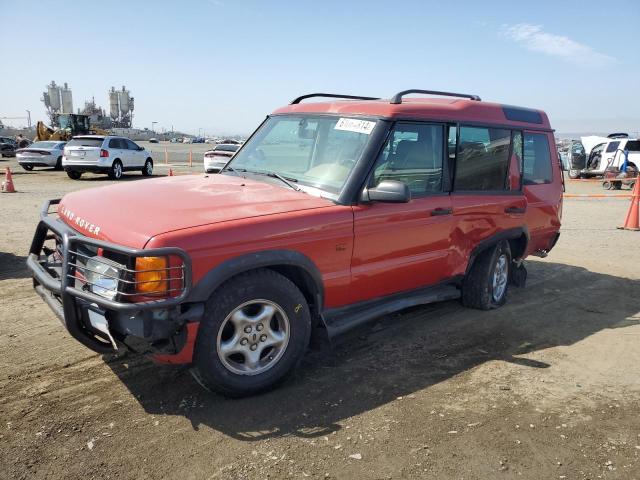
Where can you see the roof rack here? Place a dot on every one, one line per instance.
(330, 95)
(397, 98)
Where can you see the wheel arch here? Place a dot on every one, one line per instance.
(294, 265)
(518, 239)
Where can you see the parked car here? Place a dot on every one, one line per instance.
(154, 140)
(591, 156)
(218, 156)
(105, 154)
(187, 140)
(41, 154)
(7, 147)
(332, 214)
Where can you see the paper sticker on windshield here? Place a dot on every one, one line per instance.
(354, 125)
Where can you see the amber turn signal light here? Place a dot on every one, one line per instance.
(151, 274)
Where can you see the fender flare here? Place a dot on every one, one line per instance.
(493, 240)
(263, 259)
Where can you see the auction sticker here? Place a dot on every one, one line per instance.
(354, 125)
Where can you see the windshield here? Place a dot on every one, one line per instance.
(314, 151)
(227, 148)
(43, 145)
(85, 142)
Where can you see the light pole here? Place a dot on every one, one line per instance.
(28, 118)
(153, 128)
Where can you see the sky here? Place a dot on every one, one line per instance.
(220, 66)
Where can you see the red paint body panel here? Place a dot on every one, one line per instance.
(132, 214)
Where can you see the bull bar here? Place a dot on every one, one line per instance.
(70, 303)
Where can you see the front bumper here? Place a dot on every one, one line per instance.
(155, 325)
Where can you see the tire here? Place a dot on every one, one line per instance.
(573, 174)
(147, 170)
(73, 175)
(58, 165)
(607, 185)
(246, 298)
(485, 286)
(28, 168)
(115, 172)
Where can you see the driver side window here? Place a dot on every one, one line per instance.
(413, 155)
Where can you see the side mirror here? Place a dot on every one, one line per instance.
(387, 191)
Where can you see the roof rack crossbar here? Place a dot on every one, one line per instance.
(330, 95)
(397, 98)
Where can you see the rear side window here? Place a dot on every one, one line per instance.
(612, 147)
(482, 159)
(537, 159)
(114, 143)
(413, 155)
(85, 142)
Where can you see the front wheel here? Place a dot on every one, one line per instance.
(28, 168)
(147, 170)
(254, 333)
(485, 286)
(573, 174)
(73, 175)
(115, 172)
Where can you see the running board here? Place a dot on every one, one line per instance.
(341, 320)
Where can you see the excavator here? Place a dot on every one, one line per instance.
(70, 124)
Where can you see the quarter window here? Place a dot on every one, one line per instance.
(413, 155)
(482, 159)
(612, 147)
(537, 159)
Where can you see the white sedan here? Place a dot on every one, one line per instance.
(218, 156)
(41, 154)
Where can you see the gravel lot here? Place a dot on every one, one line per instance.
(546, 387)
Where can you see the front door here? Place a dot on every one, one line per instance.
(402, 247)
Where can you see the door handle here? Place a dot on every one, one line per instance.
(441, 211)
(515, 210)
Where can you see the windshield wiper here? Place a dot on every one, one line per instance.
(284, 180)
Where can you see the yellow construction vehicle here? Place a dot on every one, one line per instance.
(71, 124)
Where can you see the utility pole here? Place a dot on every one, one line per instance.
(153, 128)
(28, 118)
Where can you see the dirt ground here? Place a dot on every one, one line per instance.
(546, 387)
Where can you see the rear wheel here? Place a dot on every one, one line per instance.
(485, 286)
(58, 165)
(573, 174)
(147, 170)
(73, 175)
(254, 333)
(28, 168)
(115, 172)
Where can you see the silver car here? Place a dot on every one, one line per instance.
(41, 154)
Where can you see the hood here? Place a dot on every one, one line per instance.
(131, 213)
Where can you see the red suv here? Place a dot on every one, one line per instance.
(330, 215)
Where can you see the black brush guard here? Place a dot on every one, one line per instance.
(52, 282)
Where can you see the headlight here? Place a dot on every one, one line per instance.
(103, 276)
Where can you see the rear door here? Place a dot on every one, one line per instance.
(404, 246)
(116, 150)
(487, 197)
(542, 183)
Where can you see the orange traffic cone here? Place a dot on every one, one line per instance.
(632, 222)
(7, 185)
(171, 172)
